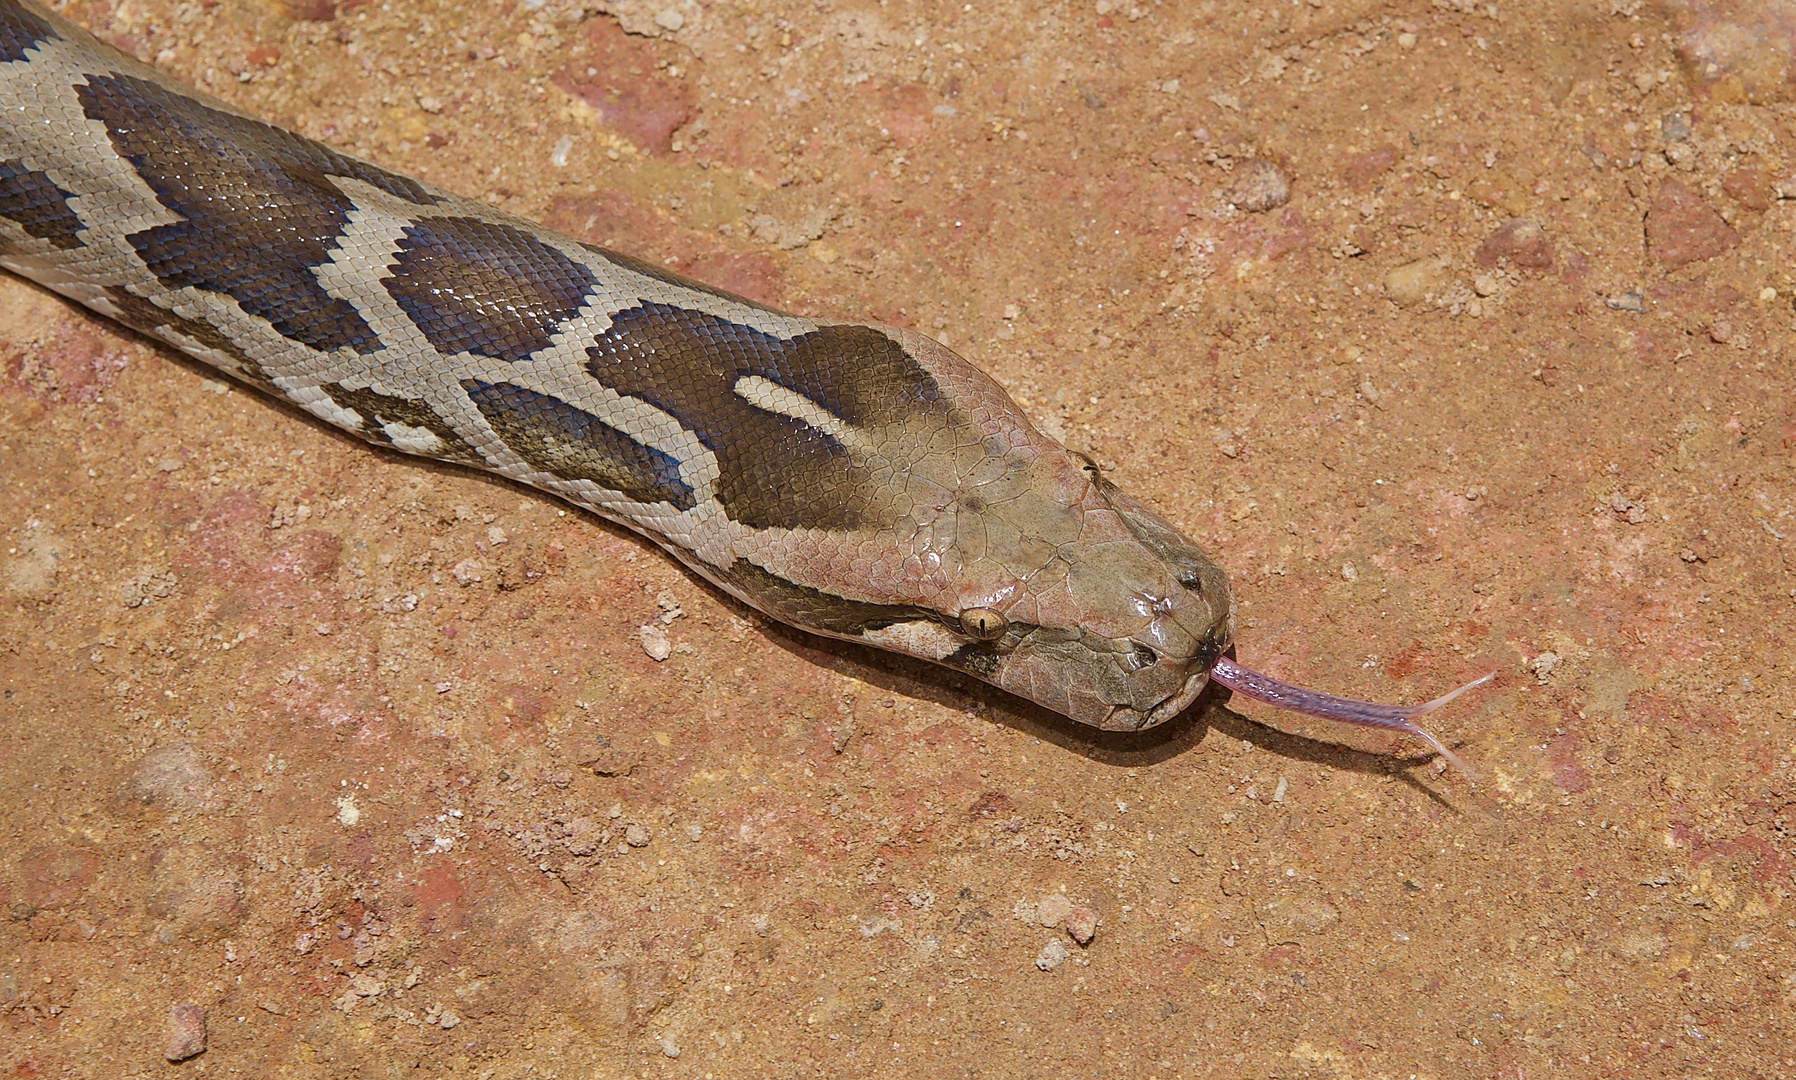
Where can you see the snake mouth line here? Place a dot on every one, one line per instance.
(1129, 718)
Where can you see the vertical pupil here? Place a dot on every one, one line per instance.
(982, 623)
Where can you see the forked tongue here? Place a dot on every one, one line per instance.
(1297, 699)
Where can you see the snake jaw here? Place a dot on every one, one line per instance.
(1125, 719)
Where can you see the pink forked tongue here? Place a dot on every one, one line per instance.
(1346, 710)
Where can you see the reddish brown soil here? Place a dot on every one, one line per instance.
(346, 750)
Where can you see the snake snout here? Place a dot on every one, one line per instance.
(1167, 665)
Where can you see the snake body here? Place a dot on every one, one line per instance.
(858, 481)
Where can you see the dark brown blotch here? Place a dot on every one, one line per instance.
(259, 209)
(776, 471)
(377, 409)
(484, 288)
(20, 29)
(34, 202)
(573, 444)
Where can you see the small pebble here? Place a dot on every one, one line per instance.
(1053, 910)
(1628, 301)
(185, 1035)
(1520, 243)
(1682, 229)
(1411, 283)
(670, 20)
(636, 835)
(1053, 954)
(1259, 185)
(669, 1047)
(1675, 127)
(1082, 925)
(1543, 666)
(655, 643)
(1750, 186)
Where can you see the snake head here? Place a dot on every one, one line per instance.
(1014, 560)
(1119, 626)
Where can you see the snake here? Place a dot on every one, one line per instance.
(859, 482)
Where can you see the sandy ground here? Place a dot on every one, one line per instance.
(361, 764)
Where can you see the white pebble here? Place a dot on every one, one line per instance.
(655, 643)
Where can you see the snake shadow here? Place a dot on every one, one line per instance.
(921, 680)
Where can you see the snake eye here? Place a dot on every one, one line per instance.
(983, 623)
(1141, 656)
(1191, 580)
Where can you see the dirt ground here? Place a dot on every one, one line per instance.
(367, 760)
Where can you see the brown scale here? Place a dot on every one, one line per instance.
(564, 441)
(485, 288)
(33, 202)
(19, 30)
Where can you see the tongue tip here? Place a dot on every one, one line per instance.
(1450, 695)
(1451, 758)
